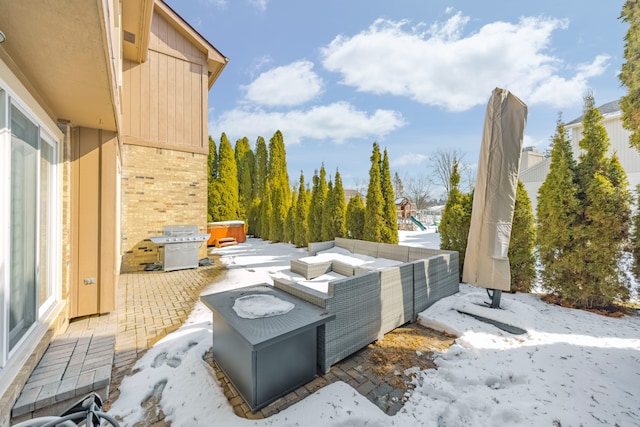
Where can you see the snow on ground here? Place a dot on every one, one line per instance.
(571, 368)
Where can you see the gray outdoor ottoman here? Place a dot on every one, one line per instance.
(267, 357)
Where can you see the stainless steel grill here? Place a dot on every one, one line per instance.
(181, 244)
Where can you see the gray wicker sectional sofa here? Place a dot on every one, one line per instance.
(369, 302)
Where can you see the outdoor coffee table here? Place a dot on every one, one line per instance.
(265, 357)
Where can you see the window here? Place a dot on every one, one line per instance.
(29, 199)
(47, 255)
(22, 241)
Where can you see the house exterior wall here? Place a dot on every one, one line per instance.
(165, 98)
(164, 179)
(159, 187)
(79, 101)
(94, 232)
(629, 158)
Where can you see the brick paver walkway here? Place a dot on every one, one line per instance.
(155, 304)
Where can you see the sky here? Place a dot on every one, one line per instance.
(413, 75)
(570, 368)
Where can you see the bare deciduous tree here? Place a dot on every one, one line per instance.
(398, 186)
(442, 164)
(361, 185)
(418, 190)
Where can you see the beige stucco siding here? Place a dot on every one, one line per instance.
(165, 98)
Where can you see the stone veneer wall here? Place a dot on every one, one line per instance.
(159, 187)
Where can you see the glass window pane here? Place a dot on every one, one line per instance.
(24, 165)
(46, 227)
(3, 109)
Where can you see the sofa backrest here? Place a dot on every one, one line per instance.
(366, 248)
(348, 292)
(395, 252)
(348, 244)
(416, 254)
(381, 250)
(314, 247)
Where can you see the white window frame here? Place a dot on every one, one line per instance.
(8, 98)
(55, 235)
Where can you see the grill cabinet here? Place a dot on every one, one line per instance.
(181, 244)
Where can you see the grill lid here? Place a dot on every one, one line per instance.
(180, 234)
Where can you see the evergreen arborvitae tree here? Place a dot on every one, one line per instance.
(456, 218)
(212, 174)
(302, 211)
(355, 218)
(314, 233)
(260, 168)
(339, 208)
(604, 217)
(265, 213)
(374, 218)
(259, 179)
(279, 209)
(253, 219)
(522, 243)
(635, 238)
(245, 163)
(390, 229)
(279, 182)
(318, 198)
(290, 223)
(557, 218)
(583, 268)
(212, 160)
(325, 233)
(226, 206)
(630, 73)
(333, 216)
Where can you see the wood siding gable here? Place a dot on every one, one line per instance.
(165, 98)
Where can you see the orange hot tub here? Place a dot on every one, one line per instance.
(224, 230)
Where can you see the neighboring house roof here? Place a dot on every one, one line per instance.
(402, 201)
(605, 109)
(349, 194)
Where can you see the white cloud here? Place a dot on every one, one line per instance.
(336, 122)
(259, 4)
(222, 4)
(289, 85)
(444, 67)
(560, 92)
(408, 159)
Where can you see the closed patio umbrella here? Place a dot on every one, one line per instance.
(486, 263)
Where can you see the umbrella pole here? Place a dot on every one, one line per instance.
(495, 296)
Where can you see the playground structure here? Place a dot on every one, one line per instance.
(417, 223)
(409, 218)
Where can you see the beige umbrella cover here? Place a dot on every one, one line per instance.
(486, 263)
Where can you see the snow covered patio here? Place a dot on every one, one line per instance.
(571, 368)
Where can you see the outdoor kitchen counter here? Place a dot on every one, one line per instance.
(266, 357)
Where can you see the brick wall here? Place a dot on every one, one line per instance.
(159, 187)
